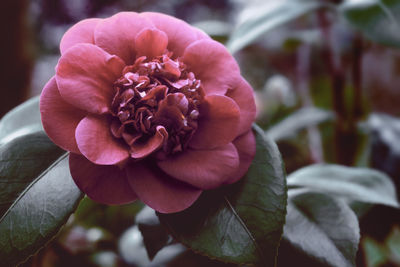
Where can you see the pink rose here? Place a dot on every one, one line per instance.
(150, 108)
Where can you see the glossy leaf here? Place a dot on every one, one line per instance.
(241, 223)
(257, 19)
(322, 227)
(37, 195)
(23, 119)
(354, 184)
(379, 20)
(21, 161)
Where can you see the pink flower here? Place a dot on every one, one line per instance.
(150, 108)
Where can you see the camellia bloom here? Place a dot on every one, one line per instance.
(150, 108)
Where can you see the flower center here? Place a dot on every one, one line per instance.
(154, 93)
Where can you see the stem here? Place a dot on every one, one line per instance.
(356, 77)
(345, 138)
(303, 77)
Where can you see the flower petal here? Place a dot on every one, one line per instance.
(158, 190)
(95, 141)
(139, 150)
(244, 97)
(201, 34)
(218, 122)
(81, 32)
(180, 34)
(171, 111)
(213, 65)
(151, 43)
(246, 147)
(117, 34)
(104, 184)
(205, 169)
(59, 118)
(85, 75)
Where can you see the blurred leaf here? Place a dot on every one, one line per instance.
(37, 195)
(105, 259)
(132, 249)
(22, 120)
(386, 128)
(177, 255)
(92, 214)
(154, 234)
(378, 253)
(324, 228)
(259, 18)
(393, 244)
(355, 184)
(241, 223)
(379, 20)
(214, 28)
(375, 254)
(297, 121)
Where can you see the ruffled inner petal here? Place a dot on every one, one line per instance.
(244, 97)
(104, 184)
(246, 147)
(96, 142)
(158, 190)
(59, 118)
(117, 34)
(205, 169)
(151, 43)
(218, 123)
(213, 65)
(140, 150)
(81, 32)
(85, 75)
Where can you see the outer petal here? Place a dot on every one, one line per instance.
(244, 97)
(85, 75)
(213, 65)
(117, 34)
(205, 169)
(81, 32)
(96, 143)
(201, 34)
(151, 43)
(246, 147)
(104, 184)
(139, 151)
(158, 190)
(218, 123)
(180, 34)
(59, 118)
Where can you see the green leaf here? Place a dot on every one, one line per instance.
(354, 184)
(393, 244)
(241, 223)
(322, 227)
(259, 18)
(375, 254)
(37, 195)
(23, 119)
(21, 161)
(378, 20)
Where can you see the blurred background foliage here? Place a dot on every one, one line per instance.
(326, 91)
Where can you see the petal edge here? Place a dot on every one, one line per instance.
(59, 118)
